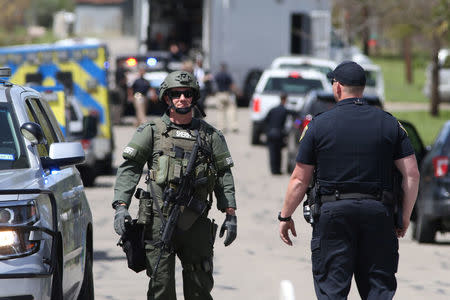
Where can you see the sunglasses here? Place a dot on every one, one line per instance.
(333, 81)
(177, 94)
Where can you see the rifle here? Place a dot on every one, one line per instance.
(185, 189)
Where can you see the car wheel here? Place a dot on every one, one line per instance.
(425, 229)
(87, 288)
(57, 291)
(255, 138)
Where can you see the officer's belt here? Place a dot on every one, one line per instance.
(386, 198)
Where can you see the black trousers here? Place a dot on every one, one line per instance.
(355, 237)
(275, 145)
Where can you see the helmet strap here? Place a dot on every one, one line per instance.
(181, 111)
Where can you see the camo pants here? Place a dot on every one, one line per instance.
(194, 248)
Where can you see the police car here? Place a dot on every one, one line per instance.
(295, 83)
(45, 219)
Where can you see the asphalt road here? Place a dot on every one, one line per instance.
(257, 262)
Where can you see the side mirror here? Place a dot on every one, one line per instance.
(90, 124)
(64, 154)
(33, 132)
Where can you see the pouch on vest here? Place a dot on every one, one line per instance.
(163, 169)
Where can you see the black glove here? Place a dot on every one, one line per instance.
(230, 225)
(121, 217)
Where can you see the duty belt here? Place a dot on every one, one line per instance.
(338, 196)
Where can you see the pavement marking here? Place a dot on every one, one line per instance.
(286, 290)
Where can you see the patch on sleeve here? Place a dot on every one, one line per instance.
(229, 161)
(401, 126)
(303, 133)
(129, 152)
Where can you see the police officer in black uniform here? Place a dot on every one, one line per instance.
(353, 148)
(274, 122)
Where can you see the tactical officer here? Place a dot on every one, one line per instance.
(353, 148)
(274, 121)
(166, 145)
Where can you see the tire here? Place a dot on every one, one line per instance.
(57, 289)
(87, 288)
(88, 176)
(425, 229)
(255, 138)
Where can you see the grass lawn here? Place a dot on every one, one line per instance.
(396, 88)
(427, 126)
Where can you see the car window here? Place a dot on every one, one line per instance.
(12, 149)
(371, 78)
(292, 85)
(415, 140)
(320, 105)
(444, 139)
(37, 114)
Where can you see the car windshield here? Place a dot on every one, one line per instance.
(12, 150)
(321, 69)
(292, 85)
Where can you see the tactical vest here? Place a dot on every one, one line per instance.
(172, 148)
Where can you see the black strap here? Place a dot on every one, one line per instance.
(337, 196)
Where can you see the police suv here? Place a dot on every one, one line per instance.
(45, 219)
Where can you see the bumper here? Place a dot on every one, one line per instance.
(25, 288)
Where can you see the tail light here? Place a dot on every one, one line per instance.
(86, 144)
(256, 105)
(440, 164)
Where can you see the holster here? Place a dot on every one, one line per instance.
(145, 206)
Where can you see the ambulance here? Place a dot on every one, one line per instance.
(81, 66)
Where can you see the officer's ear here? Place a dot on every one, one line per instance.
(167, 100)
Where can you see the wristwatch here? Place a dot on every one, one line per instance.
(286, 219)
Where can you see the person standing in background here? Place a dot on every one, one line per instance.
(274, 122)
(226, 101)
(138, 94)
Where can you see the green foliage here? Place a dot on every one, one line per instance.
(19, 37)
(427, 126)
(44, 10)
(396, 87)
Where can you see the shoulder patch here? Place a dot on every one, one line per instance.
(401, 126)
(130, 151)
(303, 133)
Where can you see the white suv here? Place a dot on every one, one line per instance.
(273, 82)
(304, 62)
(444, 76)
(45, 220)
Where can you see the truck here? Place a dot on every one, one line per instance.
(81, 66)
(246, 35)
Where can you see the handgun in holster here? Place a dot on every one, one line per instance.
(311, 207)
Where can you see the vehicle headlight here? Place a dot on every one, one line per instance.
(14, 232)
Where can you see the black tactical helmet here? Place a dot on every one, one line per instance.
(180, 79)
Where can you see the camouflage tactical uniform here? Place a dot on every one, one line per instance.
(152, 143)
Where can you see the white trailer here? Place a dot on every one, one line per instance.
(245, 35)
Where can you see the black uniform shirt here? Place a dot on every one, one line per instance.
(353, 147)
(224, 81)
(275, 121)
(141, 85)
